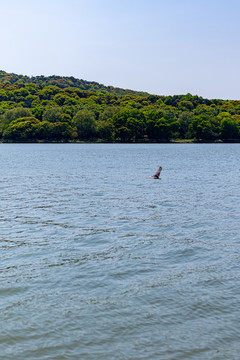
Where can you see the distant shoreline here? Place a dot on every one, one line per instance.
(175, 141)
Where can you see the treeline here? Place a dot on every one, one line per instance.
(40, 111)
(64, 82)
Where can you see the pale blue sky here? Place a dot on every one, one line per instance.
(164, 47)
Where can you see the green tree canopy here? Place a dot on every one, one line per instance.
(129, 125)
(53, 114)
(185, 118)
(200, 128)
(229, 129)
(85, 122)
(185, 105)
(16, 113)
(22, 129)
(105, 130)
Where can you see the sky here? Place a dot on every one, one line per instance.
(171, 47)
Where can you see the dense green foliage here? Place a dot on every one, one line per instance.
(67, 109)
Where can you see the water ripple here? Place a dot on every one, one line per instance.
(119, 267)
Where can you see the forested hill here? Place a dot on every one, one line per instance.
(50, 109)
(65, 82)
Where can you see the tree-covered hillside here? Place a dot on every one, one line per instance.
(67, 109)
(65, 82)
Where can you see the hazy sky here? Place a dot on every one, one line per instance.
(164, 47)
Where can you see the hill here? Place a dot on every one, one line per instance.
(56, 108)
(66, 82)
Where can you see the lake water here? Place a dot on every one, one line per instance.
(100, 262)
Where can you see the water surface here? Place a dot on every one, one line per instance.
(100, 262)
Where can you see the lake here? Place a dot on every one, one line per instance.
(100, 262)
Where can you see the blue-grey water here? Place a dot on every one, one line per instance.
(100, 262)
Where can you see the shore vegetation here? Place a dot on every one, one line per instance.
(65, 109)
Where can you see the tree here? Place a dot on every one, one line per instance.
(153, 98)
(85, 122)
(185, 118)
(105, 130)
(61, 98)
(136, 127)
(158, 129)
(61, 131)
(129, 125)
(200, 128)
(206, 110)
(53, 114)
(109, 112)
(185, 105)
(173, 129)
(66, 118)
(22, 129)
(38, 112)
(3, 95)
(45, 130)
(16, 113)
(122, 134)
(54, 131)
(48, 92)
(229, 129)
